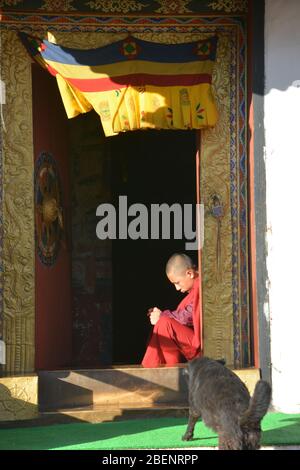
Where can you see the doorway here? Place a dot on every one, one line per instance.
(224, 171)
(149, 167)
(91, 303)
(114, 282)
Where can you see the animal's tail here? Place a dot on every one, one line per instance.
(258, 405)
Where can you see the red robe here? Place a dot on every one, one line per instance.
(194, 296)
(171, 340)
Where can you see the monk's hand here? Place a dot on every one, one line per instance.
(155, 315)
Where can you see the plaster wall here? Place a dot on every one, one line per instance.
(282, 158)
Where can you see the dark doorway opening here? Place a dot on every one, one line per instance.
(116, 281)
(149, 167)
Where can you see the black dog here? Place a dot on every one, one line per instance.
(223, 401)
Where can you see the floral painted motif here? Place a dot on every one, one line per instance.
(229, 6)
(104, 110)
(130, 49)
(58, 5)
(125, 121)
(184, 97)
(203, 49)
(110, 6)
(199, 111)
(173, 6)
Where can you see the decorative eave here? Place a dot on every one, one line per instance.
(93, 8)
(130, 15)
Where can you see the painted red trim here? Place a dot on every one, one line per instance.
(139, 79)
(251, 201)
(198, 200)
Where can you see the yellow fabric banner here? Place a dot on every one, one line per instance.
(134, 84)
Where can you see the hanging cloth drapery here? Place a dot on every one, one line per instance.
(134, 84)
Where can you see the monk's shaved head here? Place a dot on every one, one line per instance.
(178, 264)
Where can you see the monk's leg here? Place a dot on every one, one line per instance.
(154, 356)
(175, 340)
(169, 342)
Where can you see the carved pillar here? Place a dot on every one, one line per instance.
(216, 197)
(18, 205)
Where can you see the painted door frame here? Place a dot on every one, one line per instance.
(188, 23)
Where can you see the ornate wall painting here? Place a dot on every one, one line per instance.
(117, 7)
(18, 256)
(223, 153)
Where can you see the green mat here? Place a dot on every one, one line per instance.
(278, 428)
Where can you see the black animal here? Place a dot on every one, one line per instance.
(224, 403)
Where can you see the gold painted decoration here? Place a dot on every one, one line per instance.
(173, 7)
(18, 203)
(215, 180)
(112, 6)
(230, 6)
(84, 40)
(216, 210)
(58, 5)
(18, 398)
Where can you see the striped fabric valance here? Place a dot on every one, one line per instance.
(134, 84)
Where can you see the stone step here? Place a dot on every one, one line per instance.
(100, 414)
(111, 387)
(119, 387)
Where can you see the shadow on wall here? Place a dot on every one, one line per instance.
(273, 27)
(14, 404)
(282, 39)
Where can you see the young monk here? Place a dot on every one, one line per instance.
(176, 334)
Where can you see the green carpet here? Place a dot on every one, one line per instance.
(138, 434)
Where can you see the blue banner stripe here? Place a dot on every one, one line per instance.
(135, 49)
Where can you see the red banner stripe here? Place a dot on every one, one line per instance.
(141, 79)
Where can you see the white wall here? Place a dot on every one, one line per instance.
(282, 153)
